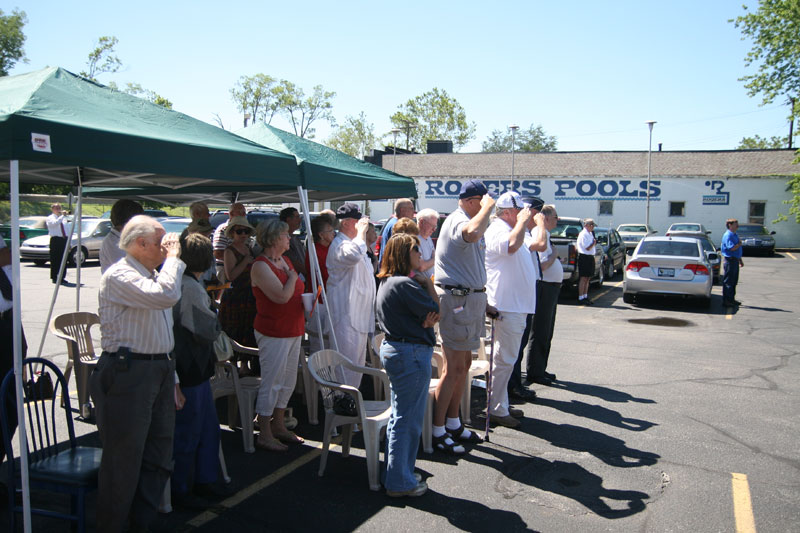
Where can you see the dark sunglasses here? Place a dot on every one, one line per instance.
(242, 231)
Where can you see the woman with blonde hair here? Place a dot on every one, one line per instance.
(407, 309)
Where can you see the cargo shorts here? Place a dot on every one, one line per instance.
(461, 319)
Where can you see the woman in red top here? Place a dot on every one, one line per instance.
(279, 326)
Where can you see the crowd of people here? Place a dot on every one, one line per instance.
(161, 311)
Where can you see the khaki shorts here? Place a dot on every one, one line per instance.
(461, 330)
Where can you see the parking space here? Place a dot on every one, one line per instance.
(659, 410)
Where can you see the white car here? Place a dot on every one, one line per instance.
(633, 233)
(668, 266)
(93, 230)
(687, 227)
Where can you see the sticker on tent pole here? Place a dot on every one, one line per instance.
(41, 143)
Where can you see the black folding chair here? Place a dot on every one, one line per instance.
(53, 465)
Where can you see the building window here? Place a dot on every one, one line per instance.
(756, 212)
(677, 209)
(605, 207)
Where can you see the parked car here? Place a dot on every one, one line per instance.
(668, 266)
(563, 237)
(709, 248)
(174, 224)
(93, 230)
(756, 238)
(614, 249)
(633, 233)
(692, 227)
(28, 227)
(218, 217)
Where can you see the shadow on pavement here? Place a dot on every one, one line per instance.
(604, 393)
(596, 412)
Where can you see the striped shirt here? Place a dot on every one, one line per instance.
(136, 306)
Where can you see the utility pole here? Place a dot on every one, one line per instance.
(791, 122)
(649, 161)
(513, 129)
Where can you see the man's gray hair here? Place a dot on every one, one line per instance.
(428, 213)
(138, 226)
(548, 210)
(196, 209)
(401, 202)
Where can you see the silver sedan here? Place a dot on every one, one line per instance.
(668, 265)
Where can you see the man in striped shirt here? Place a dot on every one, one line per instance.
(133, 383)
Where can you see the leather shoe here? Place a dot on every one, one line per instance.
(507, 421)
(541, 380)
(516, 413)
(521, 393)
(550, 376)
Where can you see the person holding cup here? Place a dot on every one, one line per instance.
(279, 327)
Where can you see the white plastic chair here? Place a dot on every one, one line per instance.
(241, 392)
(75, 329)
(374, 351)
(372, 415)
(310, 391)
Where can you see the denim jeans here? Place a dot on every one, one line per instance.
(409, 369)
(196, 443)
(730, 277)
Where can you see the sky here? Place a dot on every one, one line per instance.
(589, 73)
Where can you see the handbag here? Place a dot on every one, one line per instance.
(40, 388)
(345, 405)
(222, 347)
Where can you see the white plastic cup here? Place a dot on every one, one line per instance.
(308, 301)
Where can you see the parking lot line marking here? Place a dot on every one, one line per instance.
(729, 316)
(239, 497)
(618, 284)
(790, 255)
(742, 506)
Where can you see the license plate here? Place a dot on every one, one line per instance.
(666, 272)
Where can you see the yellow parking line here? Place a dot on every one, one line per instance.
(239, 497)
(742, 506)
(790, 255)
(618, 284)
(729, 316)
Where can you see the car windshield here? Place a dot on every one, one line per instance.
(752, 230)
(632, 227)
(670, 248)
(707, 245)
(685, 227)
(567, 228)
(28, 222)
(174, 226)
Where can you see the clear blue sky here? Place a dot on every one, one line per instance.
(590, 73)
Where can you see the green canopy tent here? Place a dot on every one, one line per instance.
(58, 128)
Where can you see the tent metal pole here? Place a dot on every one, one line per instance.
(78, 252)
(17, 347)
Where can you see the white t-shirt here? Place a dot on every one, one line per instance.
(508, 274)
(555, 272)
(534, 257)
(427, 249)
(584, 243)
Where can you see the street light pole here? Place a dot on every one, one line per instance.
(395, 131)
(649, 164)
(513, 129)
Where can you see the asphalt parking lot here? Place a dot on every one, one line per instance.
(666, 417)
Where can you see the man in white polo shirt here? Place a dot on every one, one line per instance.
(56, 228)
(509, 266)
(585, 245)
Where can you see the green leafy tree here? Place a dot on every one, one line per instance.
(303, 111)
(534, 139)
(11, 40)
(355, 137)
(762, 143)
(151, 96)
(256, 95)
(433, 115)
(102, 59)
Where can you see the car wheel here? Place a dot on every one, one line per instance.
(600, 277)
(610, 271)
(80, 256)
(628, 298)
(40, 262)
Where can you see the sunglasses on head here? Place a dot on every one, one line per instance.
(242, 231)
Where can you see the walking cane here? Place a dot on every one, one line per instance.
(489, 383)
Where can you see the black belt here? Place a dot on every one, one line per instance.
(456, 287)
(403, 339)
(142, 356)
(7, 314)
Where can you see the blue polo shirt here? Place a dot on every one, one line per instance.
(729, 240)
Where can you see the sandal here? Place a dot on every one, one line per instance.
(290, 437)
(471, 438)
(446, 444)
(272, 445)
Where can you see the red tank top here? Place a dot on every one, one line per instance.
(279, 320)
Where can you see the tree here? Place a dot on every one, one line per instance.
(136, 89)
(534, 139)
(11, 40)
(433, 115)
(355, 137)
(302, 112)
(762, 143)
(257, 96)
(102, 58)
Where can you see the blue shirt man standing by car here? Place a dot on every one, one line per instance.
(731, 248)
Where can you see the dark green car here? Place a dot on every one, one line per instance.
(28, 227)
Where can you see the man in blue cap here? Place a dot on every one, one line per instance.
(460, 279)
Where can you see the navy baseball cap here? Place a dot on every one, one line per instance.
(348, 210)
(472, 188)
(534, 202)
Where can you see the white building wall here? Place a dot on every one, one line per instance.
(709, 201)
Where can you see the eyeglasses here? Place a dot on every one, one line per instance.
(242, 231)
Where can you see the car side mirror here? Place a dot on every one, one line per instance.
(708, 232)
(653, 231)
(772, 232)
